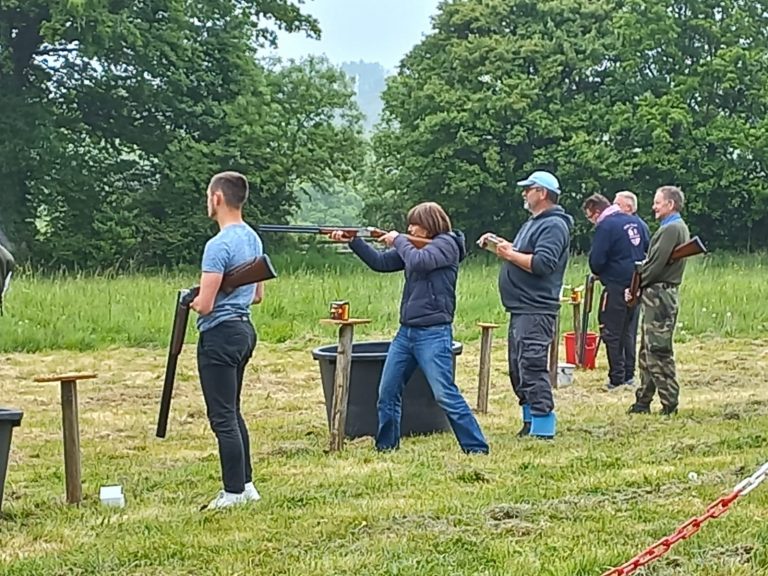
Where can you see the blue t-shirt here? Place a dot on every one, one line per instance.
(234, 245)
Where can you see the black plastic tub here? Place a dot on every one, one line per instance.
(9, 419)
(421, 414)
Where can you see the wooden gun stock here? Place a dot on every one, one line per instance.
(257, 270)
(417, 241)
(693, 247)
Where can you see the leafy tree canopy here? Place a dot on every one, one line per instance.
(608, 94)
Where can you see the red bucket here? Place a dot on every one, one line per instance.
(590, 349)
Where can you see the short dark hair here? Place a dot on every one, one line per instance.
(553, 197)
(431, 217)
(233, 186)
(674, 195)
(595, 203)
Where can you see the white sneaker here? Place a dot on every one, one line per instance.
(226, 499)
(251, 494)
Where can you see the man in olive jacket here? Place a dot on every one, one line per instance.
(659, 305)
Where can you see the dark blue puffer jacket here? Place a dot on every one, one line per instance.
(429, 295)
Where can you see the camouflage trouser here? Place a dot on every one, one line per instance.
(656, 360)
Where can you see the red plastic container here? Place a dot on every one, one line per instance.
(590, 349)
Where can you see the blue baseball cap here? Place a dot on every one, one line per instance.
(543, 179)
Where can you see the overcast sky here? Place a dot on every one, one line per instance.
(371, 30)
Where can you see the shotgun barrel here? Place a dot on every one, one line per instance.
(350, 231)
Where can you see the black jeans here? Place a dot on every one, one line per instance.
(630, 343)
(222, 354)
(528, 342)
(618, 330)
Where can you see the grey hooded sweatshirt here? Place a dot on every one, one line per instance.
(548, 237)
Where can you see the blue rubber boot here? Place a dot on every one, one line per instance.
(526, 429)
(544, 426)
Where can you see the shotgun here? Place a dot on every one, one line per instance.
(693, 247)
(350, 231)
(589, 291)
(259, 269)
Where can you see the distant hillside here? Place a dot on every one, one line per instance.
(371, 81)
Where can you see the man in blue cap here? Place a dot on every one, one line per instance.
(530, 282)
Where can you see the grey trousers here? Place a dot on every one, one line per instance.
(529, 338)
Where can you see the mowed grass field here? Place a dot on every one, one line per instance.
(722, 296)
(609, 486)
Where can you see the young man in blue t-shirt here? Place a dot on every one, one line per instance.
(227, 337)
(620, 240)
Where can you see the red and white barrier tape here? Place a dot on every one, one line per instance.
(717, 508)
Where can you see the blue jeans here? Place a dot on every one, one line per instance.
(430, 349)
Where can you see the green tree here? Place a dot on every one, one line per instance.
(338, 206)
(118, 113)
(608, 94)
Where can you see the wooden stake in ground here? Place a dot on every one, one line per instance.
(71, 431)
(484, 373)
(341, 379)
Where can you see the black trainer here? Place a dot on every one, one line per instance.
(668, 410)
(525, 430)
(639, 409)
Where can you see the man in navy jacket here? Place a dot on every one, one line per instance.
(620, 240)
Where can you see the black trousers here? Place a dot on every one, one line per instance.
(528, 342)
(222, 355)
(618, 331)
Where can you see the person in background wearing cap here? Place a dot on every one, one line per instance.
(619, 242)
(530, 282)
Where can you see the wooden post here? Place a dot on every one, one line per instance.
(71, 432)
(341, 380)
(577, 330)
(484, 373)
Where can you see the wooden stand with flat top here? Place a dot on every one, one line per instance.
(341, 379)
(70, 430)
(554, 348)
(484, 373)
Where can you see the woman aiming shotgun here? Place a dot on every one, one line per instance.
(425, 336)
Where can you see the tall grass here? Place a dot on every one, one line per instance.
(721, 296)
